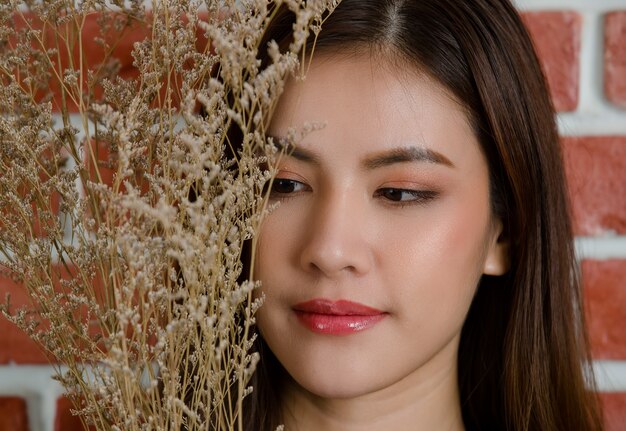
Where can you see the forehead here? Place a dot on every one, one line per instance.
(369, 104)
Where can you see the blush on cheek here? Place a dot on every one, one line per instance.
(456, 239)
(469, 238)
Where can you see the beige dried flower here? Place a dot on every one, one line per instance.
(126, 220)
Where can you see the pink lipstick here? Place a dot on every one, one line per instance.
(337, 317)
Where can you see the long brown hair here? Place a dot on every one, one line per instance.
(523, 359)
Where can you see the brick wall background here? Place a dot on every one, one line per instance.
(582, 44)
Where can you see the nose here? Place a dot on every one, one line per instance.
(336, 242)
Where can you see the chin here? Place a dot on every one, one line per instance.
(342, 384)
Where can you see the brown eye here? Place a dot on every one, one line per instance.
(283, 186)
(406, 196)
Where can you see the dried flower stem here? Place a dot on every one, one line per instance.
(125, 213)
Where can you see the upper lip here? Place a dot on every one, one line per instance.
(341, 307)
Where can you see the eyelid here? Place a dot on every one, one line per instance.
(419, 196)
(287, 177)
(286, 174)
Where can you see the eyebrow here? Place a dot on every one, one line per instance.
(378, 160)
(296, 152)
(404, 155)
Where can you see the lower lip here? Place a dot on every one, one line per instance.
(333, 324)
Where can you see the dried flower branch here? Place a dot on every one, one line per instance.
(124, 212)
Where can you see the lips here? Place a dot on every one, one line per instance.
(342, 317)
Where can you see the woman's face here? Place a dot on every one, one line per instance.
(383, 230)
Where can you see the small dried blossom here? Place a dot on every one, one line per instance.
(126, 221)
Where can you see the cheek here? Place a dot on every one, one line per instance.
(266, 252)
(440, 253)
(274, 251)
(267, 260)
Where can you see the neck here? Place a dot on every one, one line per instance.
(425, 400)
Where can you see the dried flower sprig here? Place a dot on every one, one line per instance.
(124, 212)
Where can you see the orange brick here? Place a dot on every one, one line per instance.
(64, 419)
(605, 300)
(596, 173)
(614, 404)
(119, 53)
(15, 345)
(13, 415)
(94, 53)
(615, 58)
(51, 202)
(556, 36)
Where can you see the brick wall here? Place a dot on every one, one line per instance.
(582, 44)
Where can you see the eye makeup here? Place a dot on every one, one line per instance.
(404, 197)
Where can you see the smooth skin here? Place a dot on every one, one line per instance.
(387, 206)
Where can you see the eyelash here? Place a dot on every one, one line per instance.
(278, 181)
(418, 197)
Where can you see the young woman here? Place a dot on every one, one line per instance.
(419, 271)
